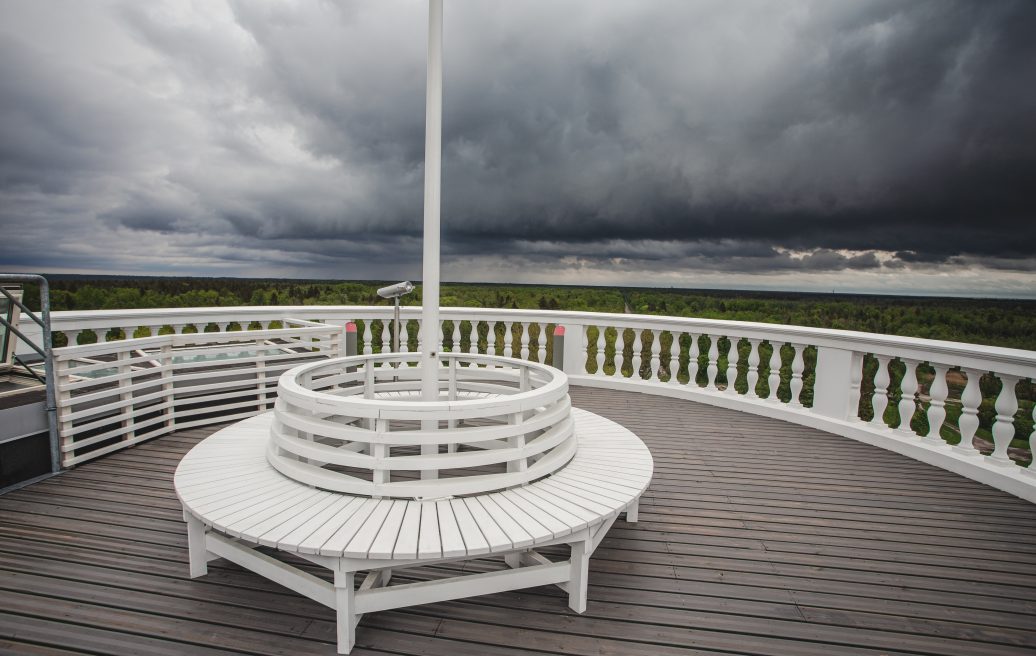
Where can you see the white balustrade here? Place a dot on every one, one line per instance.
(798, 366)
(970, 399)
(907, 402)
(880, 400)
(508, 339)
(637, 357)
(674, 358)
(656, 355)
(753, 368)
(541, 343)
(692, 361)
(733, 357)
(1003, 426)
(842, 351)
(773, 380)
(937, 405)
(855, 380)
(712, 371)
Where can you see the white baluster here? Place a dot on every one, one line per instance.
(600, 350)
(773, 380)
(178, 328)
(72, 337)
(733, 357)
(855, 378)
(541, 343)
(638, 347)
(674, 358)
(223, 325)
(1031, 470)
(367, 338)
(692, 361)
(263, 325)
(508, 339)
(937, 406)
(491, 339)
(386, 335)
(798, 365)
(404, 336)
(1003, 428)
(713, 367)
(753, 368)
(524, 328)
(970, 399)
(473, 337)
(656, 354)
(442, 337)
(880, 400)
(907, 400)
(456, 336)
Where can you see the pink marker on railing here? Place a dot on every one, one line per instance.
(558, 357)
(350, 338)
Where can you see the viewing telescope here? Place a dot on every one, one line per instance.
(394, 292)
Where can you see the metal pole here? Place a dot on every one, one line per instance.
(432, 201)
(48, 360)
(395, 333)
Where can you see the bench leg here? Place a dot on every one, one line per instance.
(346, 610)
(633, 511)
(579, 563)
(197, 553)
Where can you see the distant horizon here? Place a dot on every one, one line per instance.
(417, 281)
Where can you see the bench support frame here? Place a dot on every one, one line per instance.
(527, 568)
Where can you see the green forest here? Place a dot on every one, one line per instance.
(995, 322)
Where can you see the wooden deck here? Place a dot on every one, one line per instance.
(755, 537)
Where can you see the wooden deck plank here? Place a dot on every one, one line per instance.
(756, 537)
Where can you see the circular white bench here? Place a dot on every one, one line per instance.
(235, 500)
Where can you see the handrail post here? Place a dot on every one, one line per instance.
(831, 392)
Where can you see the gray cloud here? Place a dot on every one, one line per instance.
(670, 137)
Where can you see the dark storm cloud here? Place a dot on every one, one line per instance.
(639, 137)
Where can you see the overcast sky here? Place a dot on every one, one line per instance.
(790, 144)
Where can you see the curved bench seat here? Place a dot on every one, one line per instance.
(234, 501)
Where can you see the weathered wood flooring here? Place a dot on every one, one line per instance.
(756, 537)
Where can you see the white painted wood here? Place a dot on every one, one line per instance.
(638, 347)
(970, 399)
(1003, 426)
(712, 370)
(733, 357)
(600, 355)
(937, 406)
(908, 401)
(880, 400)
(753, 368)
(674, 359)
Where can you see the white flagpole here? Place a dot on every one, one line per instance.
(432, 202)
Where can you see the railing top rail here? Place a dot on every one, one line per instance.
(81, 350)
